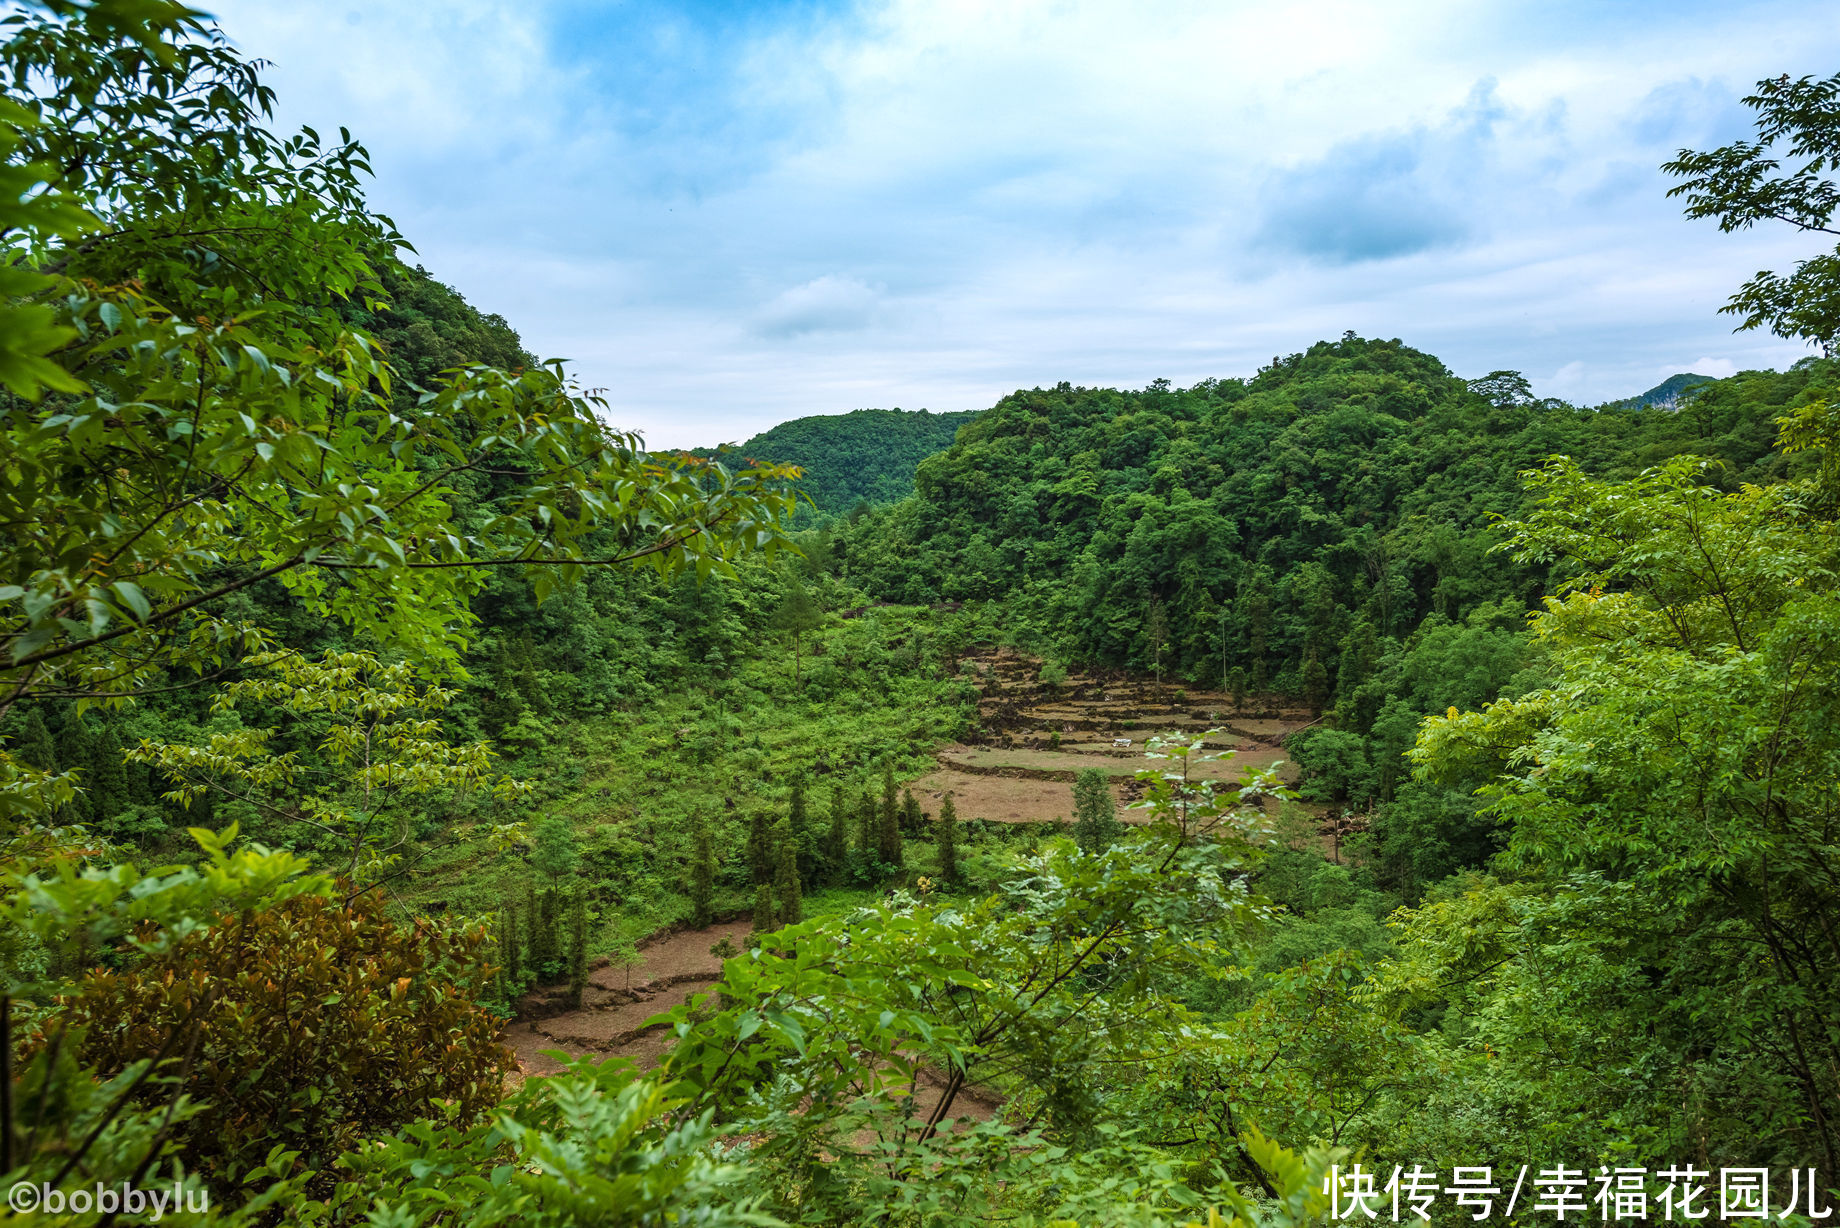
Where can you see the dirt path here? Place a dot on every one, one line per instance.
(612, 1017)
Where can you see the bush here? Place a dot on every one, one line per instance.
(317, 1024)
(1335, 766)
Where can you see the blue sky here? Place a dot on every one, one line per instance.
(726, 215)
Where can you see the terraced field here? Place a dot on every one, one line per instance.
(1035, 738)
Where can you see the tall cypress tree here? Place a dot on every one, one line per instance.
(1314, 683)
(107, 778)
(578, 946)
(836, 840)
(888, 848)
(791, 901)
(545, 951)
(74, 750)
(911, 819)
(1096, 823)
(35, 745)
(763, 909)
(797, 616)
(865, 814)
(511, 947)
(948, 840)
(798, 829)
(760, 850)
(702, 875)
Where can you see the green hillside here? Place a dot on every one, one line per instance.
(1342, 491)
(1665, 395)
(866, 455)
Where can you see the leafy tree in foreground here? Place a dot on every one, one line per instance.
(382, 746)
(188, 415)
(1744, 183)
(1674, 788)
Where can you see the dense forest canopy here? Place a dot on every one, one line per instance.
(1341, 491)
(362, 687)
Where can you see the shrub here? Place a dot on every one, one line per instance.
(313, 1023)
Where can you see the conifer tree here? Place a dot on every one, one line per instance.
(791, 900)
(578, 947)
(545, 950)
(35, 745)
(510, 943)
(836, 840)
(107, 779)
(74, 750)
(865, 814)
(702, 875)
(797, 616)
(763, 909)
(948, 840)
(911, 819)
(1315, 683)
(1096, 824)
(760, 850)
(798, 824)
(1236, 683)
(1156, 630)
(888, 847)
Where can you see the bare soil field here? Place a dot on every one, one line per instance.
(1035, 738)
(614, 1009)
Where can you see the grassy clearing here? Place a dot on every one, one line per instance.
(633, 784)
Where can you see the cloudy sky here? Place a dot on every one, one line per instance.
(727, 215)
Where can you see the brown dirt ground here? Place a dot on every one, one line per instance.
(607, 1013)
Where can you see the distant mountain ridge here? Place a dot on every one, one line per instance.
(1668, 394)
(866, 455)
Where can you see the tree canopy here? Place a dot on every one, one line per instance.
(202, 409)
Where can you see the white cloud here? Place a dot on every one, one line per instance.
(824, 304)
(1567, 380)
(1718, 368)
(930, 202)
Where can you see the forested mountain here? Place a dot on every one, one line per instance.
(1337, 496)
(864, 456)
(1667, 394)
